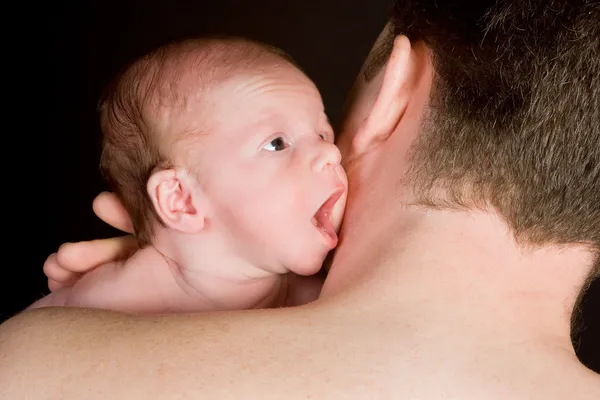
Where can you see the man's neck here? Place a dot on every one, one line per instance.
(202, 277)
(465, 266)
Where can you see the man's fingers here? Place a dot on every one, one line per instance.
(110, 210)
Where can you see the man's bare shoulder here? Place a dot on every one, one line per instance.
(528, 373)
(332, 350)
(587, 385)
(571, 380)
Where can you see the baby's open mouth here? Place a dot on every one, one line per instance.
(322, 218)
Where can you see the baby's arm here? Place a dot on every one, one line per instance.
(105, 287)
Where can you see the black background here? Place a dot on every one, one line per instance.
(89, 42)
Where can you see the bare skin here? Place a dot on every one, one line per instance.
(417, 305)
(147, 283)
(222, 245)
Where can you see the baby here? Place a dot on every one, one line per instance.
(221, 152)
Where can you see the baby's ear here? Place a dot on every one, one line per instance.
(177, 200)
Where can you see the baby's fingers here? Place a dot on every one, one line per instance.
(84, 256)
(58, 276)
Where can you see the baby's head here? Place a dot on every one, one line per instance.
(225, 137)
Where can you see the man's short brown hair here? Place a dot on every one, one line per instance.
(514, 116)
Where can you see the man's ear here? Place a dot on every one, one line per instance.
(177, 200)
(391, 101)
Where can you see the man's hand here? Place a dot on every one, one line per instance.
(72, 260)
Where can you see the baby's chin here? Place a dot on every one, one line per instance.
(309, 267)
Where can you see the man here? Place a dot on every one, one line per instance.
(472, 226)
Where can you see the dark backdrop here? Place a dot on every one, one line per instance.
(91, 41)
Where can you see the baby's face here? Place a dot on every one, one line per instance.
(271, 172)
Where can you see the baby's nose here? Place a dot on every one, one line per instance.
(328, 156)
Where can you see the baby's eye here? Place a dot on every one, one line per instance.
(325, 136)
(276, 144)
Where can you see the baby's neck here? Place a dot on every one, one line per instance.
(190, 288)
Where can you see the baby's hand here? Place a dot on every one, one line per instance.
(65, 267)
(72, 260)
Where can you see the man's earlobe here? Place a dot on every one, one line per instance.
(392, 99)
(175, 201)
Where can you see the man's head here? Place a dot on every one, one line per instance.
(226, 136)
(512, 120)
